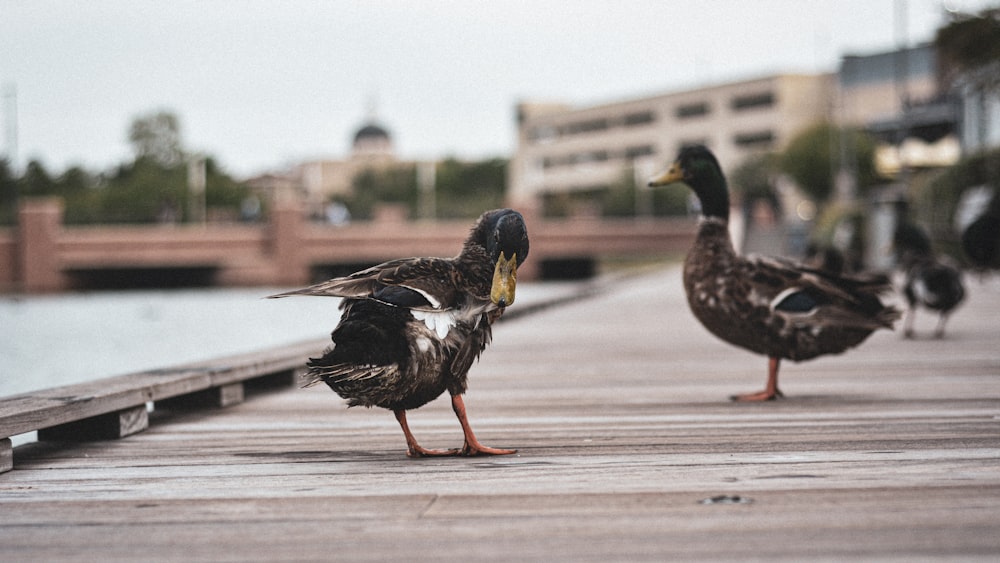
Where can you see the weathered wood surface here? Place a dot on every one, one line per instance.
(64, 407)
(618, 406)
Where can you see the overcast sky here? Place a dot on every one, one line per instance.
(262, 84)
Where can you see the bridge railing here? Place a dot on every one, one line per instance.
(41, 254)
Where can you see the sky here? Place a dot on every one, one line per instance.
(260, 85)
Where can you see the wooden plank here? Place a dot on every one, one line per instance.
(213, 397)
(52, 407)
(6, 455)
(109, 426)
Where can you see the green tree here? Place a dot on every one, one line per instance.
(144, 191)
(221, 190)
(969, 50)
(78, 189)
(397, 184)
(815, 155)
(8, 193)
(157, 136)
(466, 189)
(36, 181)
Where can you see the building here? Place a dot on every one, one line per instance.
(317, 182)
(898, 97)
(565, 149)
(324, 179)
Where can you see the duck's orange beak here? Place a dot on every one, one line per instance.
(675, 174)
(504, 281)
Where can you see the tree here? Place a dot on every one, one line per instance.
(752, 181)
(396, 184)
(36, 180)
(815, 155)
(8, 193)
(466, 189)
(969, 49)
(156, 136)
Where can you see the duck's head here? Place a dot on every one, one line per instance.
(697, 167)
(503, 234)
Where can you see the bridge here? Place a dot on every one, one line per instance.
(41, 254)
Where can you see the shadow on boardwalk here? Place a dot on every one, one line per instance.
(629, 450)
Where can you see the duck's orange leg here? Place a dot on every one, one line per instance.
(472, 445)
(771, 392)
(413, 449)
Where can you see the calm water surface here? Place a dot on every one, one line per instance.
(47, 341)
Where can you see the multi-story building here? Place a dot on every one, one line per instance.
(565, 149)
(898, 97)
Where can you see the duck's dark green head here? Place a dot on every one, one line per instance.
(504, 235)
(697, 167)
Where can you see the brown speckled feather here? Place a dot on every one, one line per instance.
(437, 278)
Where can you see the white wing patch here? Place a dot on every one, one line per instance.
(439, 322)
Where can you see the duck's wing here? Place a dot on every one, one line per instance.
(427, 284)
(844, 300)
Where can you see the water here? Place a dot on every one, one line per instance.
(49, 341)
(54, 340)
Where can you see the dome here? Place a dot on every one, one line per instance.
(371, 132)
(372, 141)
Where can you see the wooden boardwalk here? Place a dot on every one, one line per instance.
(629, 450)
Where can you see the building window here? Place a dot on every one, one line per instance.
(543, 134)
(691, 110)
(757, 139)
(638, 151)
(639, 118)
(588, 126)
(749, 101)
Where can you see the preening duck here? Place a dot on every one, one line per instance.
(411, 328)
(770, 306)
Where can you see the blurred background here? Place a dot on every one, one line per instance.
(114, 106)
(164, 144)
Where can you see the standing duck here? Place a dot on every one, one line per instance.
(928, 281)
(768, 305)
(981, 238)
(411, 328)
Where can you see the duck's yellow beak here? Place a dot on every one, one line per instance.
(504, 281)
(675, 174)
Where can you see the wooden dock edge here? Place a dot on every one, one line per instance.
(115, 407)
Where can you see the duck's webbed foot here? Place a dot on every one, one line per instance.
(771, 391)
(476, 448)
(472, 446)
(764, 395)
(413, 449)
(416, 450)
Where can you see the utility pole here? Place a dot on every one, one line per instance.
(426, 180)
(10, 124)
(196, 189)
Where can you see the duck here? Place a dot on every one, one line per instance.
(981, 238)
(928, 281)
(411, 328)
(767, 305)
